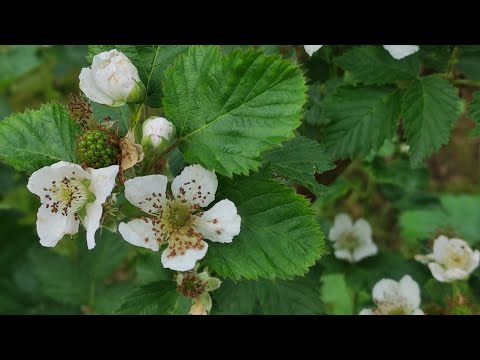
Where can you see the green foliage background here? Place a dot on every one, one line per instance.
(356, 94)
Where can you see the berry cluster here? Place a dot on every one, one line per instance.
(98, 148)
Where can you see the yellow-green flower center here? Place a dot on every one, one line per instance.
(178, 215)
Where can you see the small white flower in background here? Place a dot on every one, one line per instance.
(156, 131)
(451, 260)
(352, 241)
(396, 51)
(311, 49)
(396, 298)
(112, 80)
(69, 194)
(400, 51)
(197, 287)
(175, 220)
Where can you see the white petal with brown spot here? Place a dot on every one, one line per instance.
(64, 190)
(175, 218)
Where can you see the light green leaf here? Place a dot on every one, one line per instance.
(300, 296)
(373, 65)
(475, 113)
(421, 224)
(460, 213)
(38, 138)
(17, 60)
(430, 107)
(298, 160)
(279, 236)
(157, 298)
(229, 109)
(336, 295)
(150, 61)
(361, 120)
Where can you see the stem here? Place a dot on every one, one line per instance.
(452, 62)
(136, 115)
(466, 82)
(167, 150)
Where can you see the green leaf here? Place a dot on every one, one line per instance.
(336, 294)
(229, 109)
(17, 60)
(460, 213)
(74, 280)
(300, 296)
(298, 160)
(279, 236)
(150, 61)
(361, 120)
(435, 56)
(475, 113)
(158, 298)
(5, 109)
(108, 300)
(469, 61)
(421, 224)
(314, 114)
(430, 107)
(38, 138)
(373, 65)
(149, 269)
(120, 115)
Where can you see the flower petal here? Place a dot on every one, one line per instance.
(367, 312)
(364, 250)
(474, 261)
(385, 292)
(92, 221)
(400, 51)
(43, 178)
(363, 230)
(311, 49)
(184, 262)
(147, 192)
(221, 223)
(141, 233)
(344, 255)
(440, 247)
(103, 182)
(342, 223)
(410, 291)
(52, 227)
(90, 88)
(418, 312)
(438, 272)
(455, 274)
(195, 184)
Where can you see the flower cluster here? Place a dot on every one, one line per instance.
(72, 194)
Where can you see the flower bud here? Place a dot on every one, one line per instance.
(112, 80)
(157, 133)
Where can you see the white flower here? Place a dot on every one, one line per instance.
(311, 49)
(400, 51)
(452, 259)
(352, 242)
(156, 130)
(395, 298)
(175, 220)
(112, 80)
(396, 51)
(70, 194)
